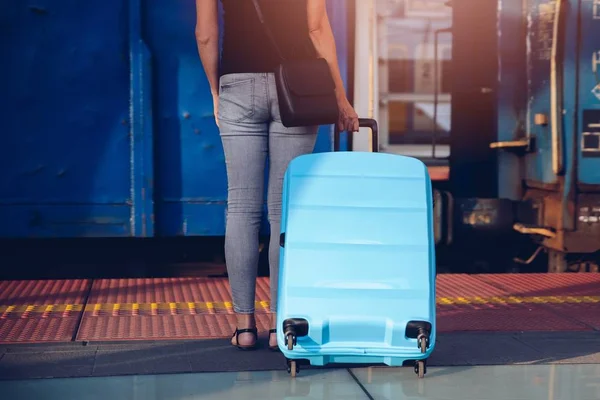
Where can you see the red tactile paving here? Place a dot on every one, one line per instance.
(167, 290)
(158, 290)
(588, 314)
(163, 327)
(37, 330)
(462, 285)
(43, 292)
(517, 317)
(529, 285)
(41, 327)
(505, 318)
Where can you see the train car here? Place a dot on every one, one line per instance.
(106, 121)
(107, 128)
(525, 127)
(548, 133)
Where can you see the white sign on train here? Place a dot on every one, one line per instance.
(596, 91)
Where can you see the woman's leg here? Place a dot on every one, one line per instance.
(285, 144)
(283, 148)
(245, 157)
(245, 143)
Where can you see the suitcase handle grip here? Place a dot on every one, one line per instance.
(362, 123)
(371, 124)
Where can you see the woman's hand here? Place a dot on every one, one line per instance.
(348, 119)
(323, 40)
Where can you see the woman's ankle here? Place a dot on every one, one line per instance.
(245, 321)
(273, 321)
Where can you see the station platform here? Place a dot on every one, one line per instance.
(86, 328)
(55, 311)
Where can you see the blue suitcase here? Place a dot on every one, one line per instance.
(357, 268)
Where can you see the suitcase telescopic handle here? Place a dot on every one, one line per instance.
(372, 125)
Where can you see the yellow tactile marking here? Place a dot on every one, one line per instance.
(210, 307)
(6, 310)
(517, 300)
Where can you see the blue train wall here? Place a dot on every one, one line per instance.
(588, 97)
(106, 120)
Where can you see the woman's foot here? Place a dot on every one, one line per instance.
(239, 334)
(245, 335)
(273, 340)
(273, 333)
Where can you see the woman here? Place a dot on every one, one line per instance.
(247, 113)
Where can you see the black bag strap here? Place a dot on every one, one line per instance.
(267, 29)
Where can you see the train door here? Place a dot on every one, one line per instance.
(473, 172)
(551, 72)
(587, 136)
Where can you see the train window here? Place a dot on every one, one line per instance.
(414, 87)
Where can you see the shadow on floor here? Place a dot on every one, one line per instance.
(29, 361)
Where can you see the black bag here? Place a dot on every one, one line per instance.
(305, 87)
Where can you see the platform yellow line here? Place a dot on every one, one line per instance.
(225, 307)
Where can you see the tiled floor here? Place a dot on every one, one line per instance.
(531, 382)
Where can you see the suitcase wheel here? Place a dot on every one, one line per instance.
(421, 368)
(423, 342)
(291, 341)
(293, 328)
(292, 368)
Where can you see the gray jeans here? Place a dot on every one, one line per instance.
(251, 129)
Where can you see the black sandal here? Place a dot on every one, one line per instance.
(246, 347)
(276, 347)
